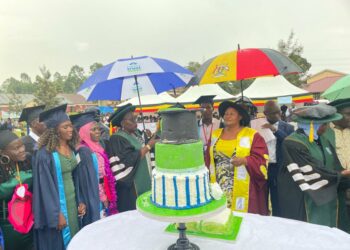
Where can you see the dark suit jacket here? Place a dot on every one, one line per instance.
(284, 130)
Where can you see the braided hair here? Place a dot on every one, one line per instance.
(50, 139)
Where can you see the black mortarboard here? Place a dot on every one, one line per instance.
(205, 99)
(340, 103)
(31, 113)
(81, 119)
(55, 116)
(117, 117)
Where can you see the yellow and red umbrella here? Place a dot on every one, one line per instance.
(244, 64)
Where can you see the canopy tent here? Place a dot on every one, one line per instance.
(194, 92)
(267, 88)
(151, 103)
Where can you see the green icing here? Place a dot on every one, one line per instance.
(181, 156)
(144, 203)
(229, 231)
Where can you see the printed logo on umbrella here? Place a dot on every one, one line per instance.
(221, 70)
(134, 87)
(133, 67)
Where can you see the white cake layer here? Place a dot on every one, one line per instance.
(180, 190)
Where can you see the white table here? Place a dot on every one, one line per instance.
(132, 231)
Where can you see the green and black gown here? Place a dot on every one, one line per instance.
(308, 181)
(13, 239)
(132, 173)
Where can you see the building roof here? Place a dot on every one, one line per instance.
(71, 99)
(5, 98)
(322, 84)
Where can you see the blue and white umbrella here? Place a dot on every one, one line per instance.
(127, 78)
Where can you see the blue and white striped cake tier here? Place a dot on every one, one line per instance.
(180, 190)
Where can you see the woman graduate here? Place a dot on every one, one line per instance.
(93, 157)
(12, 154)
(57, 204)
(239, 161)
(127, 156)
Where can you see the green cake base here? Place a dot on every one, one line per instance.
(194, 230)
(179, 156)
(148, 209)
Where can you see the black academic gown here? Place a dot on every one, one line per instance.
(88, 185)
(120, 147)
(46, 203)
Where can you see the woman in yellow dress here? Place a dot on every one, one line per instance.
(239, 161)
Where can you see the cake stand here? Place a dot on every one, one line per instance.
(148, 209)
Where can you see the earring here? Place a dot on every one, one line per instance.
(4, 159)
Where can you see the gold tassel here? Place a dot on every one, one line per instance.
(110, 128)
(311, 134)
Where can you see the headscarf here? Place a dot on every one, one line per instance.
(84, 133)
(102, 158)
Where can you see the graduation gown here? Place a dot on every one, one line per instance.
(87, 171)
(46, 201)
(130, 171)
(308, 180)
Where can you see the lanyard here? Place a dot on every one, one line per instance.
(205, 134)
(18, 177)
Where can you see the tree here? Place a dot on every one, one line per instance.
(23, 86)
(234, 88)
(75, 78)
(46, 92)
(294, 50)
(16, 104)
(193, 66)
(95, 67)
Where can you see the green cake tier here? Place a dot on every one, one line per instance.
(180, 156)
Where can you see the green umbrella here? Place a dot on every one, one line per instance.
(339, 90)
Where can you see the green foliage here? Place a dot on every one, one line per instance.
(22, 86)
(46, 92)
(234, 88)
(193, 66)
(63, 83)
(294, 50)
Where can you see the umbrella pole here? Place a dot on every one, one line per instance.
(138, 94)
(242, 90)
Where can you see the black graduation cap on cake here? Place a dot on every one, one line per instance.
(178, 126)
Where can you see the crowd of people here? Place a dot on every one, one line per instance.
(78, 173)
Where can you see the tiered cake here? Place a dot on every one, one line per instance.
(180, 179)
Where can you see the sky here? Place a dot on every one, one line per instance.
(62, 33)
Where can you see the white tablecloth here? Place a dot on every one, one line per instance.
(132, 231)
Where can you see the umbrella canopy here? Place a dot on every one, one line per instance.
(126, 78)
(245, 64)
(339, 90)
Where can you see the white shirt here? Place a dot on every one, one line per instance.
(271, 146)
(205, 131)
(34, 136)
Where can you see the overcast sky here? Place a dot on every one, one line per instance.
(62, 33)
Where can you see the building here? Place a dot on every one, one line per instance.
(321, 81)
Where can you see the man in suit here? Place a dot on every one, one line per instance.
(280, 130)
(34, 128)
